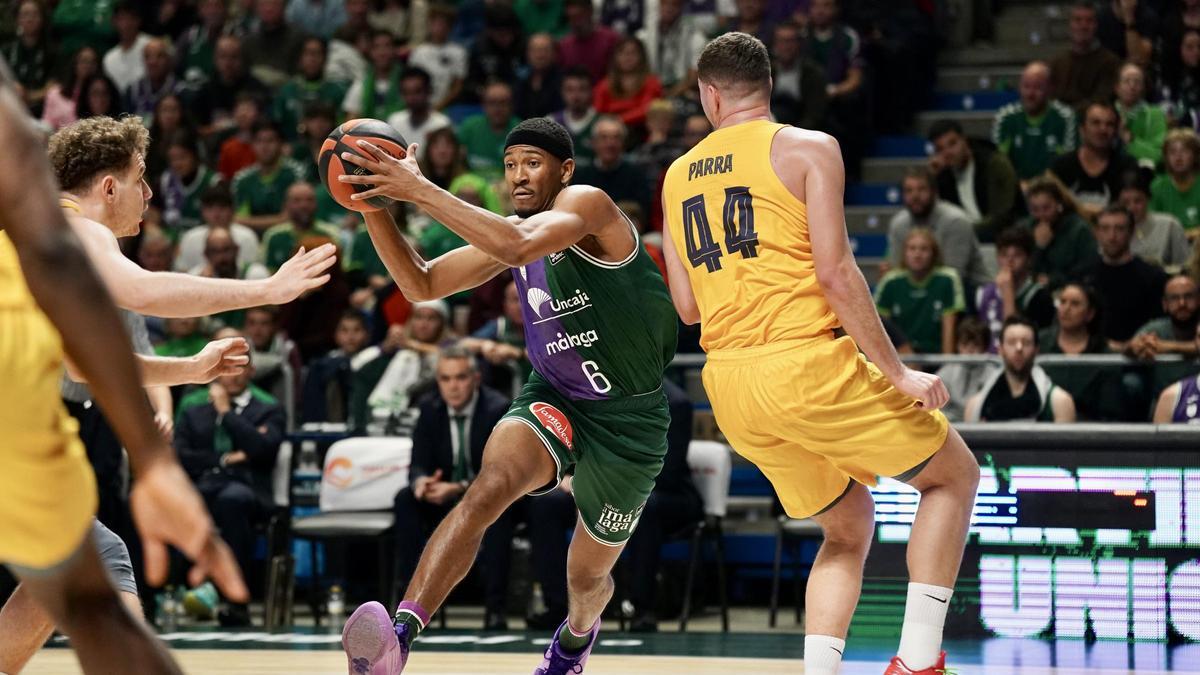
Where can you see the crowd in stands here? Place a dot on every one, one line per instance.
(1073, 229)
(1084, 204)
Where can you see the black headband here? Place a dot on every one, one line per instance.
(552, 145)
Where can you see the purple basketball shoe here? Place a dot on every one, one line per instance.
(555, 662)
(373, 645)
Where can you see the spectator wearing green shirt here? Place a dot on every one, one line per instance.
(197, 43)
(1035, 130)
(541, 16)
(365, 271)
(1143, 126)
(299, 214)
(377, 93)
(259, 190)
(319, 119)
(483, 135)
(185, 338)
(923, 297)
(307, 87)
(1064, 240)
(1175, 191)
(83, 23)
(437, 239)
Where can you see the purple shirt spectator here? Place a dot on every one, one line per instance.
(587, 45)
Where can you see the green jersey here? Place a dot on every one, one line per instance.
(364, 257)
(918, 306)
(188, 345)
(296, 94)
(1166, 198)
(484, 145)
(1147, 125)
(280, 242)
(597, 330)
(259, 194)
(1031, 143)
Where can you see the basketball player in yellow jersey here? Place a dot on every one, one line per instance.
(757, 253)
(47, 496)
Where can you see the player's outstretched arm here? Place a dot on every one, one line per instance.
(174, 295)
(678, 282)
(228, 356)
(168, 510)
(578, 211)
(461, 269)
(838, 272)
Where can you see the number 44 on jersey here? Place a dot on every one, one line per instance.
(738, 220)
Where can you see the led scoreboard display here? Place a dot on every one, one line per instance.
(1086, 532)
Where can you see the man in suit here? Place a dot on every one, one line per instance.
(673, 504)
(447, 454)
(227, 437)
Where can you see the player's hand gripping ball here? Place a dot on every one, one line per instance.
(345, 138)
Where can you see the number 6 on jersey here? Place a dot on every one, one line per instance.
(591, 370)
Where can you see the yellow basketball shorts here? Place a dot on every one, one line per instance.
(47, 491)
(816, 417)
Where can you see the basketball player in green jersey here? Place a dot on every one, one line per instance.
(599, 328)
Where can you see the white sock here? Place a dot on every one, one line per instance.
(822, 654)
(924, 617)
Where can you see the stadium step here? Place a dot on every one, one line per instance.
(1032, 25)
(977, 78)
(873, 194)
(869, 219)
(888, 169)
(899, 146)
(973, 100)
(998, 56)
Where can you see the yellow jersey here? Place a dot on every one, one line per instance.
(743, 238)
(14, 293)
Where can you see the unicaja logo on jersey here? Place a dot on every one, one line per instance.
(537, 298)
(565, 342)
(554, 421)
(577, 301)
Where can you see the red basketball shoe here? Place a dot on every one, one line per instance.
(897, 667)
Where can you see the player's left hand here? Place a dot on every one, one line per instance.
(927, 388)
(228, 356)
(166, 426)
(392, 177)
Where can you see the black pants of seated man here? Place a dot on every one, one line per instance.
(415, 522)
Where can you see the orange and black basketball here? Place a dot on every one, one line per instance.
(345, 139)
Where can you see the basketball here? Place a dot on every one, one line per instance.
(345, 139)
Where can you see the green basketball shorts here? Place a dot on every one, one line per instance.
(614, 449)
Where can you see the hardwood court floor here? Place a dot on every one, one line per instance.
(312, 651)
(263, 662)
